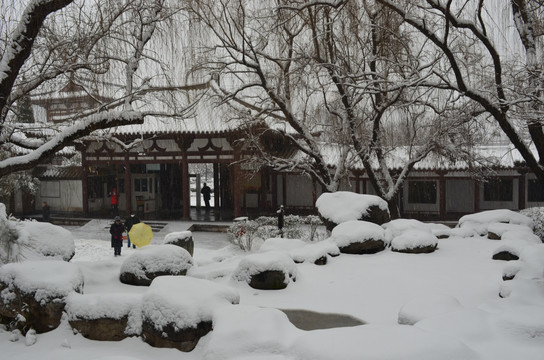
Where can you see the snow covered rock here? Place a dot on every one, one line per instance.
(271, 270)
(499, 215)
(397, 227)
(47, 240)
(151, 261)
(509, 272)
(415, 242)
(341, 206)
(359, 237)
(316, 252)
(506, 253)
(427, 306)
(177, 310)
(104, 317)
(495, 231)
(33, 293)
(182, 239)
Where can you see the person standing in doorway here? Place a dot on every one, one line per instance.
(281, 219)
(206, 194)
(116, 231)
(131, 220)
(46, 212)
(114, 199)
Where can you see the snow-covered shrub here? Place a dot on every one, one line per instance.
(10, 247)
(537, 215)
(244, 233)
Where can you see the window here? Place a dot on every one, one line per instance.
(136, 184)
(422, 192)
(499, 190)
(535, 191)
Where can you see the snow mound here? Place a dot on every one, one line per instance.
(314, 251)
(501, 228)
(380, 342)
(47, 279)
(396, 227)
(254, 264)
(250, 332)
(526, 237)
(45, 239)
(356, 231)
(157, 258)
(281, 244)
(427, 306)
(342, 206)
(184, 301)
(499, 215)
(413, 239)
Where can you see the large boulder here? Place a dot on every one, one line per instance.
(152, 261)
(182, 239)
(178, 311)
(359, 237)
(33, 293)
(104, 317)
(271, 270)
(341, 206)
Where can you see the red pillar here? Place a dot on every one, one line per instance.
(128, 187)
(476, 196)
(84, 185)
(216, 192)
(185, 188)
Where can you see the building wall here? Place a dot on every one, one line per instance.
(61, 195)
(460, 195)
(299, 190)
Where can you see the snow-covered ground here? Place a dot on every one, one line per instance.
(450, 296)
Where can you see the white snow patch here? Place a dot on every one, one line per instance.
(426, 306)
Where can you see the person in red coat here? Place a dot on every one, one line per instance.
(114, 199)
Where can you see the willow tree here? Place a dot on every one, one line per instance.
(493, 58)
(113, 50)
(340, 81)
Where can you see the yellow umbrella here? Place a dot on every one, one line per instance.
(140, 234)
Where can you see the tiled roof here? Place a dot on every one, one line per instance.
(58, 173)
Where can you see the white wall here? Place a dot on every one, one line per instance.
(61, 195)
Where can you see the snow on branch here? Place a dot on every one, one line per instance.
(71, 133)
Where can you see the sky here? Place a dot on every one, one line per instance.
(442, 305)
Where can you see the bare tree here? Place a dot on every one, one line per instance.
(469, 35)
(341, 79)
(105, 46)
